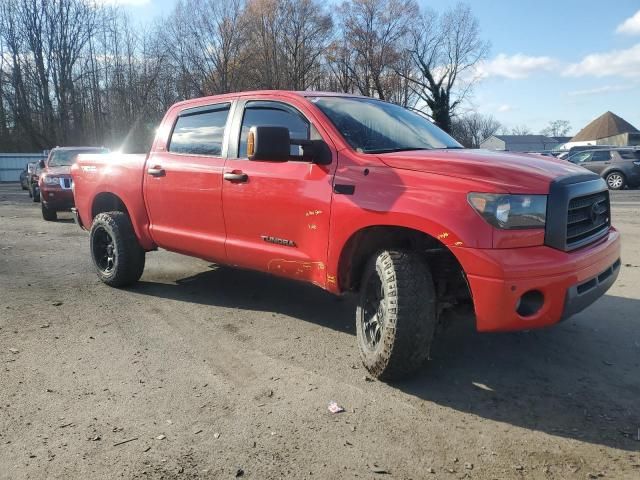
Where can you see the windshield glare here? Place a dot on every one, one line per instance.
(66, 158)
(374, 126)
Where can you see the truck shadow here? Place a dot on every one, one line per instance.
(250, 290)
(578, 380)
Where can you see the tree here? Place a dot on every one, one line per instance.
(375, 31)
(445, 50)
(306, 37)
(521, 130)
(286, 41)
(471, 130)
(556, 128)
(81, 72)
(207, 41)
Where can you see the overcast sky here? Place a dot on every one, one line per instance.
(550, 59)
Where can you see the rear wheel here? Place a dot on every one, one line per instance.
(396, 314)
(615, 180)
(115, 250)
(48, 214)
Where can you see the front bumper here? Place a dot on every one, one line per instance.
(567, 281)
(56, 198)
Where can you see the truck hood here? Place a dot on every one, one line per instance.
(62, 170)
(510, 172)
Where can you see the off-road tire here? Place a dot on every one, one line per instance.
(409, 309)
(35, 194)
(48, 214)
(616, 180)
(129, 259)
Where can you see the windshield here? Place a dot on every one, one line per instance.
(65, 158)
(374, 126)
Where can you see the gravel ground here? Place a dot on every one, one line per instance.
(209, 372)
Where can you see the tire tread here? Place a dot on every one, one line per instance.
(411, 319)
(130, 255)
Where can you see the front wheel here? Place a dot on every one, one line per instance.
(396, 314)
(115, 250)
(48, 214)
(615, 181)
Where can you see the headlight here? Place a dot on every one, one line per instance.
(51, 180)
(510, 211)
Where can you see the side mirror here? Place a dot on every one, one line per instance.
(41, 164)
(268, 143)
(317, 150)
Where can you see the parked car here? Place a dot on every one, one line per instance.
(618, 166)
(55, 184)
(33, 175)
(580, 148)
(544, 153)
(24, 177)
(355, 194)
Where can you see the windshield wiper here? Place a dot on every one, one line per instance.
(400, 149)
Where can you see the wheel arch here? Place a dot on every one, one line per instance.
(613, 170)
(447, 271)
(107, 202)
(111, 202)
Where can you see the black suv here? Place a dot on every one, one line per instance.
(33, 173)
(24, 176)
(619, 166)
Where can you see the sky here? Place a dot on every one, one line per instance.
(549, 59)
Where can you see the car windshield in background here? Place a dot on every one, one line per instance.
(374, 126)
(65, 158)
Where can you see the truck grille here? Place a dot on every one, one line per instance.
(588, 217)
(578, 212)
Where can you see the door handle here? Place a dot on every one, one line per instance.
(236, 176)
(156, 171)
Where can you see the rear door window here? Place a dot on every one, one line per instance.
(200, 132)
(629, 154)
(601, 156)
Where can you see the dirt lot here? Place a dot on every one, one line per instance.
(217, 373)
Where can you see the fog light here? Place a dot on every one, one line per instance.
(530, 303)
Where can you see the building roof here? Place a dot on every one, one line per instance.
(519, 143)
(606, 125)
(525, 138)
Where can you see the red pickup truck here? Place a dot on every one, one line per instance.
(355, 194)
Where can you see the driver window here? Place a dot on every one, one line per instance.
(582, 157)
(273, 114)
